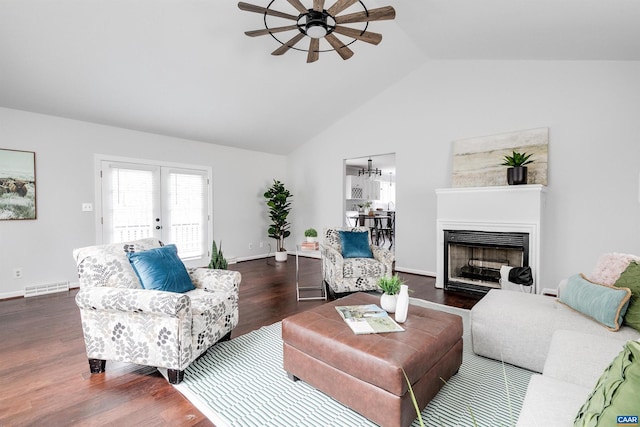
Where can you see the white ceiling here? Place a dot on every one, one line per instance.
(184, 68)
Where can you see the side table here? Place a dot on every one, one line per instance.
(321, 288)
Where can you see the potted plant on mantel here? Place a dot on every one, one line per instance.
(279, 207)
(517, 171)
(390, 287)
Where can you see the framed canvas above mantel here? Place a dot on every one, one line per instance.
(477, 162)
(17, 184)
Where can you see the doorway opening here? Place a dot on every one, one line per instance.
(370, 196)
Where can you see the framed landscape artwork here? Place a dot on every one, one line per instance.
(17, 184)
(477, 162)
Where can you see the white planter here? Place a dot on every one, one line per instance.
(281, 256)
(388, 302)
(311, 239)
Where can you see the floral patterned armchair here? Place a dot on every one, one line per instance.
(345, 275)
(124, 322)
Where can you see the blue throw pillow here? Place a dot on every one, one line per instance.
(161, 269)
(604, 304)
(355, 244)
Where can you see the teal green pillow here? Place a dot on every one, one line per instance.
(161, 269)
(630, 278)
(604, 304)
(617, 392)
(355, 244)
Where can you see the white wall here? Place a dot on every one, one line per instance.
(65, 152)
(590, 108)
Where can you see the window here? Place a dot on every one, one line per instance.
(166, 202)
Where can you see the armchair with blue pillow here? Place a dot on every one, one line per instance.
(139, 304)
(351, 263)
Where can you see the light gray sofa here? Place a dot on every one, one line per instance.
(567, 349)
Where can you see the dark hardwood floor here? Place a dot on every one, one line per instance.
(44, 374)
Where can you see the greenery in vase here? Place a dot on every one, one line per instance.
(310, 232)
(517, 159)
(279, 207)
(217, 258)
(390, 285)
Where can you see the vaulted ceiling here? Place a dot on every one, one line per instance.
(185, 68)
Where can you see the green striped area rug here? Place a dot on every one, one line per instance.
(241, 383)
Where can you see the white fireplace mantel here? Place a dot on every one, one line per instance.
(515, 208)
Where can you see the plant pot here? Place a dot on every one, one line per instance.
(388, 302)
(311, 239)
(281, 256)
(517, 175)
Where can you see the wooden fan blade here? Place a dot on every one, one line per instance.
(339, 6)
(299, 6)
(318, 5)
(342, 50)
(314, 50)
(288, 45)
(366, 36)
(379, 14)
(266, 31)
(258, 9)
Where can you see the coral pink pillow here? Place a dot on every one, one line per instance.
(610, 266)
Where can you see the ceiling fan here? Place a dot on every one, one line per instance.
(317, 23)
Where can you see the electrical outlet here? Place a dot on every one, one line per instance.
(17, 273)
(261, 244)
(87, 207)
(250, 245)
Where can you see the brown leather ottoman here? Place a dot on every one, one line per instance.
(364, 372)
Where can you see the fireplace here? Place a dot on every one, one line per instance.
(472, 259)
(508, 217)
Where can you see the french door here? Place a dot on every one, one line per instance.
(168, 203)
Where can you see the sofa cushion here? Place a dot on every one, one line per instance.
(616, 393)
(630, 278)
(610, 266)
(550, 402)
(604, 304)
(161, 269)
(355, 244)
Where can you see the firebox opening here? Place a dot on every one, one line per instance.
(473, 258)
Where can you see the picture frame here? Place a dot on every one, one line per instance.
(17, 184)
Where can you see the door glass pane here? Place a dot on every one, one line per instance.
(186, 212)
(130, 202)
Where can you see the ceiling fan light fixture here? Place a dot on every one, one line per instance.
(319, 23)
(316, 26)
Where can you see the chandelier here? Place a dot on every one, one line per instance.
(369, 171)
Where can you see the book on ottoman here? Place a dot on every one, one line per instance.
(368, 319)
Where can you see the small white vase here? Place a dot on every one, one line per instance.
(402, 306)
(311, 239)
(388, 302)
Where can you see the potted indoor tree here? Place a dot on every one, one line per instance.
(277, 197)
(517, 171)
(390, 287)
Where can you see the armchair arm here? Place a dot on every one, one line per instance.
(383, 255)
(167, 304)
(333, 256)
(226, 281)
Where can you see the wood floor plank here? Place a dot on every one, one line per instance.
(44, 374)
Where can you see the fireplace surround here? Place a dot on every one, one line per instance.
(516, 210)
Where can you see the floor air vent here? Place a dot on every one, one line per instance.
(32, 291)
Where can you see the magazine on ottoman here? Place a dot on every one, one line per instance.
(368, 319)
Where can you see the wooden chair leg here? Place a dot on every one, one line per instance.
(175, 376)
(96, 366)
